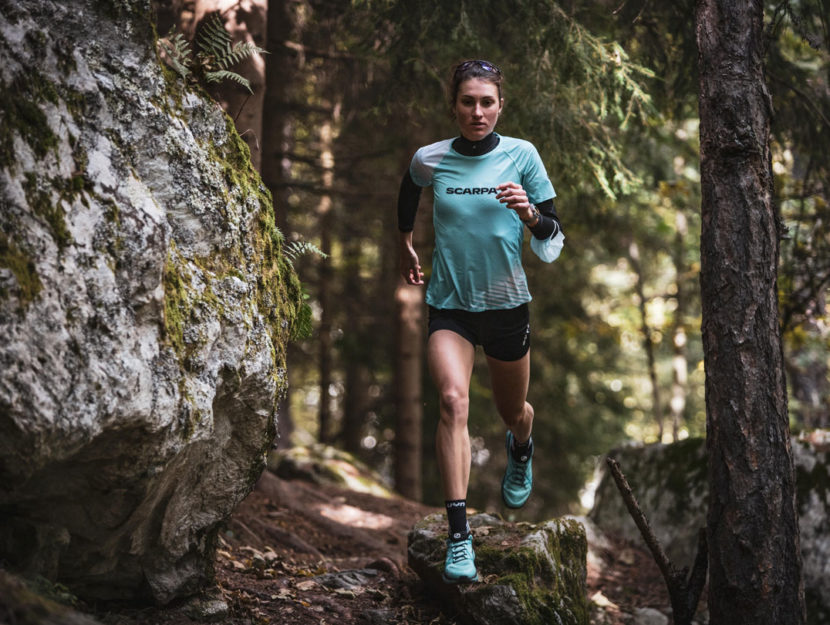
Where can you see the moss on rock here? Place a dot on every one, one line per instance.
(533, 574)
(40, 199)
(24, 270)
(20, 106)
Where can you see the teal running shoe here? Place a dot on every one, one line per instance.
(460, 564)
(518, 478)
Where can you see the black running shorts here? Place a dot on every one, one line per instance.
(504, 334)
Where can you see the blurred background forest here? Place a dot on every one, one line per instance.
(607, 91)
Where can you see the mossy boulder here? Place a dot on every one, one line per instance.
(529, 574)
(324, 464)
(670, 484)
(145, 307)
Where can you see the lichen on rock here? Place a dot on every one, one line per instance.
(144, 307)
(534, 574)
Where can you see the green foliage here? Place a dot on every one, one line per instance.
(304, 323)
(223, 74)
(215, 53)
(295, 249)
(178, 53)
(569, 91)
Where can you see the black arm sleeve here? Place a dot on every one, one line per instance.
(548, 225)
(408, 198)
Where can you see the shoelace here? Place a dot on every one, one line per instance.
(459, 551)
(518, 476)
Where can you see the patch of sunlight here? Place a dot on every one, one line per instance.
(355, 517)
(357, 481)
(639, 430)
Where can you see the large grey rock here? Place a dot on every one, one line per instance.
(649, 616)
(144, 307)
(670, 483)
(529, 573)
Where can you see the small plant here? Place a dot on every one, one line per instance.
(293, 250)
(216, 53)
(303, 326)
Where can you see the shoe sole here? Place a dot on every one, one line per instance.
(460, 580)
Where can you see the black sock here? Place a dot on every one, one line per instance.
(522, 451)
(457, 517)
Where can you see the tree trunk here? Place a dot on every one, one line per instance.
(282, 77)
(648, 341)
(355, 348)
(282, 71)
(680, 368)
(410, 311)
(326, 221)
(755, 562)
(408, 434)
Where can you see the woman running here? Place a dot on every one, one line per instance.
(487, 190)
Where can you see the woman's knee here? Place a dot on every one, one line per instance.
(455, 407)
(515, 413)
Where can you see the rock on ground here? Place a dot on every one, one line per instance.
(529, 573)
(22, 605)
(144, 307)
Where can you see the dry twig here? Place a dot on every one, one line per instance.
(684, 588)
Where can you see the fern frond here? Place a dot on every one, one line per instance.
(178, 53)
(304, 322)
(241, 51)
(224, 74)
(213, 38)
(295, 249)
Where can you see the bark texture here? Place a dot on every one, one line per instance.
(755, 561)
(410, 354)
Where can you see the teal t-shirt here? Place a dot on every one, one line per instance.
(477, 262)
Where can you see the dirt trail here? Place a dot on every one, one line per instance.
(300, 553)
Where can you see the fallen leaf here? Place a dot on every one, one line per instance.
(306, 585)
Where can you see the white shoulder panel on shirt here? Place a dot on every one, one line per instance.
(426, 159)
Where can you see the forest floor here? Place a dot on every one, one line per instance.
(303, 553)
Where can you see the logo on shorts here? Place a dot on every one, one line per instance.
(527, 335)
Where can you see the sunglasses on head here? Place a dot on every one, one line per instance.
(488, 67)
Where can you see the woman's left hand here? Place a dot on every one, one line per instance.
(515, 197)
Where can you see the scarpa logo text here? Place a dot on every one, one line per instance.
(471, 191)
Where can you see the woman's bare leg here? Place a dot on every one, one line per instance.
(510, 380)
(451, 359)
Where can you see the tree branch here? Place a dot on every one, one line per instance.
(684, 588)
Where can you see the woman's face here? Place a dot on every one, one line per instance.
(477, 108)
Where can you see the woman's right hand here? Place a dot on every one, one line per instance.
(410, 265)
